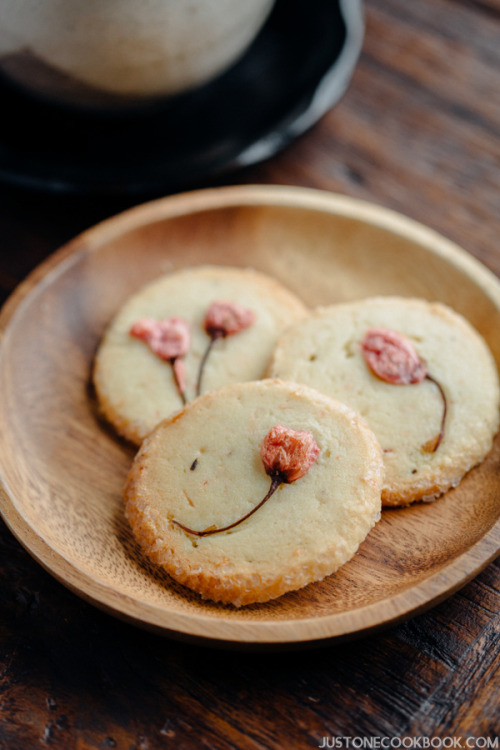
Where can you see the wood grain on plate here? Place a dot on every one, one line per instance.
(62, 470)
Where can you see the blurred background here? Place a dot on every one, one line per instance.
(416, 130)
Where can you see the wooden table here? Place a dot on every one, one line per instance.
(418, 131)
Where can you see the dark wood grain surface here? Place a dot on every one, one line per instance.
(418, 131)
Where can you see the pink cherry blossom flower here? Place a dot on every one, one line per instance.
(287, 455)
(168, 339)
(222, 319)
(394, 359)
(227, 318)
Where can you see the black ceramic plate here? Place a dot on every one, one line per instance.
(297, 68)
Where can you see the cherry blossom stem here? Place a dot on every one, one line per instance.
(213, 339)
(178, 385)
(276, 481)
(432, 445)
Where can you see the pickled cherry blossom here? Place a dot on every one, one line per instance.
(227, 318)
(394, 359)
(223, 319)
(287, 455)
(169, 340)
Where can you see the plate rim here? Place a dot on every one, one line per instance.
(196, 626)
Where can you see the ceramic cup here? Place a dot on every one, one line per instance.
(115, 52)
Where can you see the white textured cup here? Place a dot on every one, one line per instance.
(121, 51)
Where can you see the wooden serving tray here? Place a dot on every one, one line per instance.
(62, 469)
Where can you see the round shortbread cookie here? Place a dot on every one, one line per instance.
(203, 469)
(136, 389)
(324, 351)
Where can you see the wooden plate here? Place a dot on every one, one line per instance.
(62, 470)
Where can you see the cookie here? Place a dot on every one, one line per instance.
(137, 387)
(201, 472)
(432, 430)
